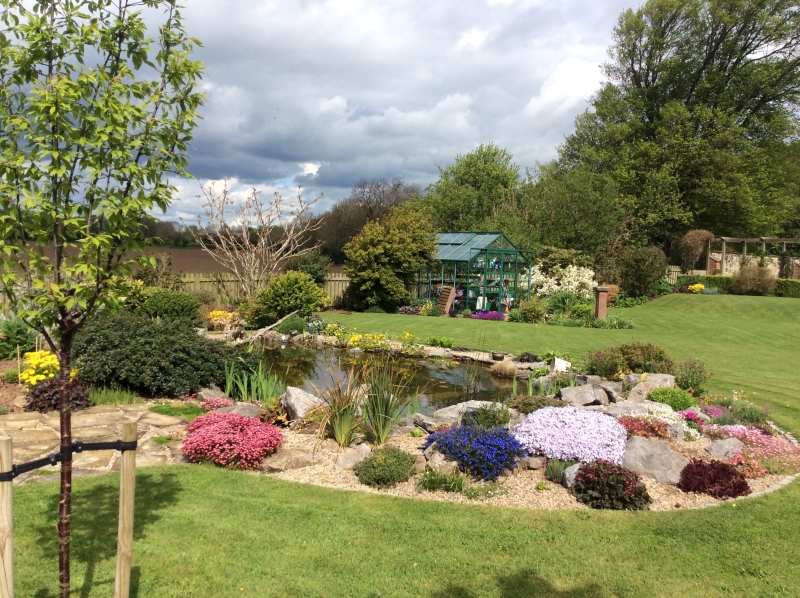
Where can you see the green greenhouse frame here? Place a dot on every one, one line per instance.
(483, 267)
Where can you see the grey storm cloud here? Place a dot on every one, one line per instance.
(324, 93)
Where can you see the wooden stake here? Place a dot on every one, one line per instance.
(127, 485)
(6, 524)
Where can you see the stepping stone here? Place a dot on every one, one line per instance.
(90, 420)
(20, 421)
(93, 459)
(100, 409)
(176, 448)
(135, 408)
(93, 433)
(20, 401)
(27, 436)
(34, 450)
(142, 461)
(160, 421)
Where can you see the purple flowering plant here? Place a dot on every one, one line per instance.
(573, 434)
(488, 315)
(483, 452)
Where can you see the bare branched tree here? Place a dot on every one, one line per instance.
(255, 238)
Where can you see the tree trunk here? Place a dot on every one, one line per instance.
(65, 500)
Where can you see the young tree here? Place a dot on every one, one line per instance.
(94, 115)
(264, 236)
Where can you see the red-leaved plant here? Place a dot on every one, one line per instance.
(604, 485)
(230, 440)
(640, 426)
(720, 480)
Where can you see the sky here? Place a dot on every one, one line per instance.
(323, 93)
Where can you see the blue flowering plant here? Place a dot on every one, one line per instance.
(482, 452)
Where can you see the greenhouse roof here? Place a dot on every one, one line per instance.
(462, 247)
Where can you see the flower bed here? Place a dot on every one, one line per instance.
(230, 440)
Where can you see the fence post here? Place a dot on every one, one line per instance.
(127, 486)
(6, 523)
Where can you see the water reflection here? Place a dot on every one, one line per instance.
(440, 382)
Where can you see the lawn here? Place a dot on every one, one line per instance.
(202, 531)
(749, 343)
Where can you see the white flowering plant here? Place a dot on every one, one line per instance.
(572, 278)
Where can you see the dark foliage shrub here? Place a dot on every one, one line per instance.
(488, 416)
(166, 303)
(581, 311)
(646, 428)
(529, 404)
(435, 311)
(15, 333)
(693, 245)
(46, 396)
(609, 363)
(285, 293)
(692, 375)
(753, 280)
(151, 358)
(532, 310)
(727, 419)
(660, 288)
(411, 310)
(721, 283)
(386, 467)
(640, 269)
(482, 452)
(554, 469)
(313, 263)
(528, 357)
(750, 414)
(295, 323)
(374, 310)
(636, 357)
(720, 480)
(603, 485)
(678, 399)
(787, 288)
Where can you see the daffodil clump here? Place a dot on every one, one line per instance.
(696, 288)
(369, 342)
(219, 319)
(40, 365)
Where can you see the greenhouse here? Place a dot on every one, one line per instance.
(476, 271)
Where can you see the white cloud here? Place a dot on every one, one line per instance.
(472, 39)
(566, 90)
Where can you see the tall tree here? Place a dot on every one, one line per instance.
(94, 116)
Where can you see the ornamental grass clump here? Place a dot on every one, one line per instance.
(485, 453)
(718, 479)
(230, 440)
(604, 485)
(573, 434)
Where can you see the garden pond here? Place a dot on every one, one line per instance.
(441, 382)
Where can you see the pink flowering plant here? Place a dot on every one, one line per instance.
(572, 434)
(773, 454)
(230, 440)
(214, 403)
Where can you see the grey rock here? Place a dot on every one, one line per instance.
(297, 402)
(652, 458)
(559, 365)
(700, 415)
(420, 463)
(447, 467)
(523, 374)
(435, 352)
(287, 459)
(642, 390)
(532, 463)
(209, 392)
(440, 464)
(725, 449)
(662, 380)
(355, 352)
(578, 396)
(597, 408)
(589, 379)
(600, 396)
(349, 458)
(677, 432)
(613, 390)
(568, 477)
(426, 423)
(246, 409)
(454, 413)
(20, 401)
(430, 451)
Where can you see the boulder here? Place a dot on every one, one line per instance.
(677, 432)
(420, 463)
(240, 408)
(454, 413)
(426, 423)
(532, 463)
(559, 365)
(613, 390)
(725, 449)
(440, 464)
(430, 451)
(568, 477)
(20, 401)
(663, 380)
(355, 352)
(296, 402)
(209, 392)
(642, 390)
(288, 458)
(578, 396)
(652, 458)
(627, 408)
(589, 379)
(349, 458)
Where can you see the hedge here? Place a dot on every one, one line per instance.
(721, 283)
(785, 287)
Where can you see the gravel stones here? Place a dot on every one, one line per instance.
(725, 449)
(652, 458)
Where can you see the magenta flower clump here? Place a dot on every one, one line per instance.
(573, 434)
(214, 403)
(230, 440)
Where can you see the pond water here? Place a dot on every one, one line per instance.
(440, 382)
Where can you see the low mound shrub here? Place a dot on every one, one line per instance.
(385, 468)
(285, 293)
(530, 403)
(45, 396)
(604, 485)
(753, 280)
(230, 440)
(165, 303)
(644, 427)
(678, 399)
(152, 358)
(573, 434)
(488, 416)
(293, 323)
(482, 452)
(532, 310)
(637, 358)
(718, 479)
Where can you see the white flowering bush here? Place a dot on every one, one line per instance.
(663, 413)
(572, 278)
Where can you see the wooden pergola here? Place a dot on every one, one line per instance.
(763, 241)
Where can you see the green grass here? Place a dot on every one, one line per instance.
(163, 439)
(749, 343)
(113, 396)
(201, 531)
(188, 411)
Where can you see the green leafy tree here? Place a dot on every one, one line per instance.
(315, 264)
(385, 257)
(94, 114)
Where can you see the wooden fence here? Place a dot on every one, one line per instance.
(226, 284)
